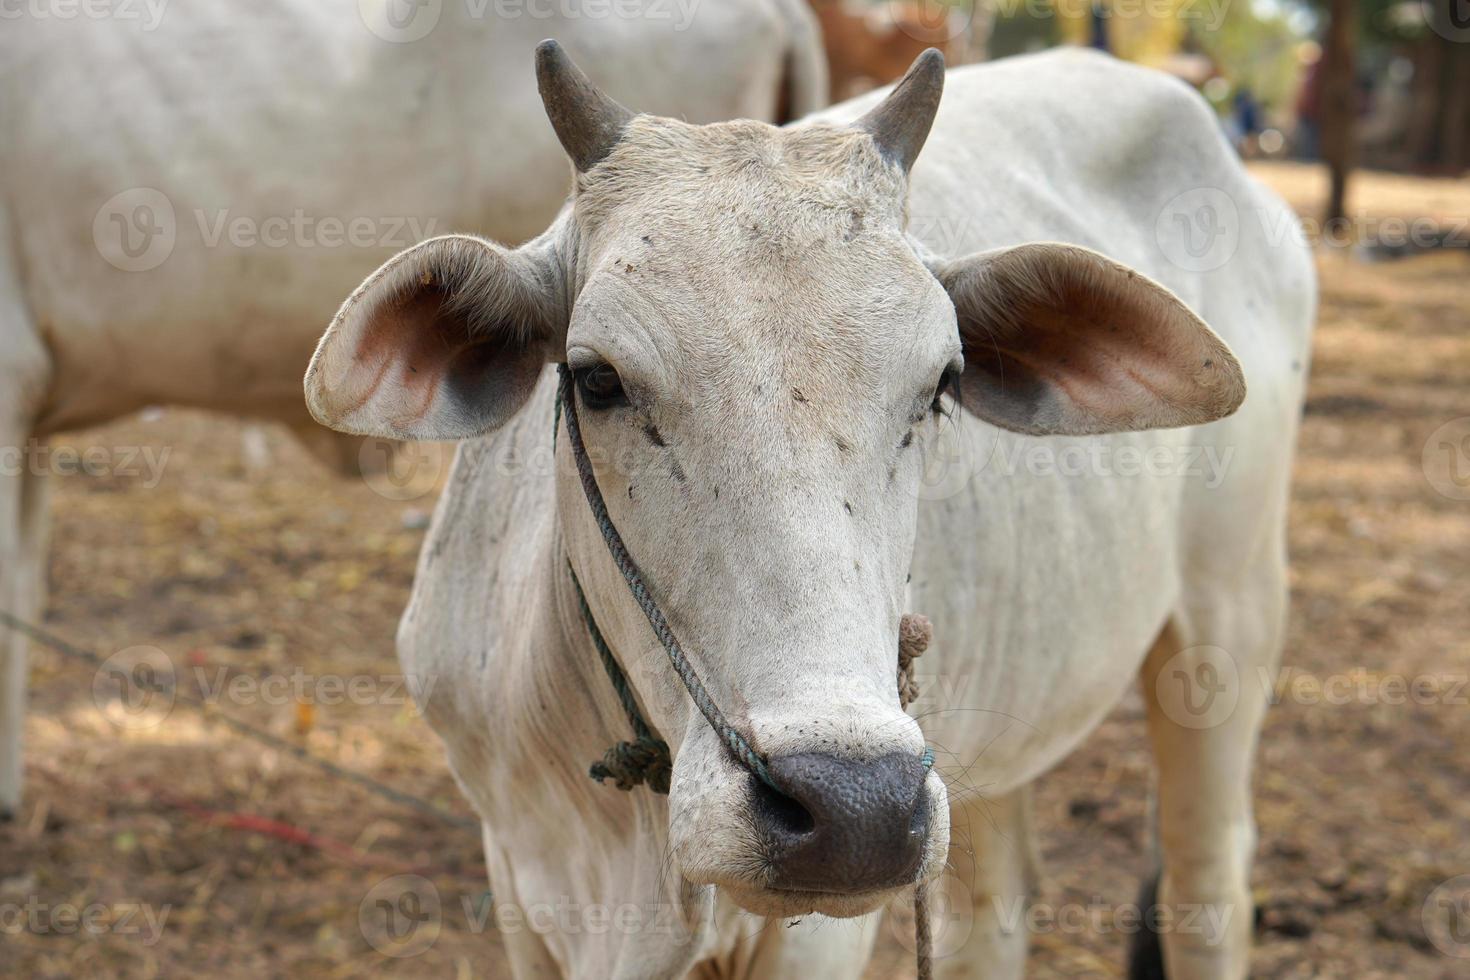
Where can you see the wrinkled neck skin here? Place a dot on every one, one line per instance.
(522, 725)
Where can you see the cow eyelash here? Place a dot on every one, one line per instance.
(946, 387)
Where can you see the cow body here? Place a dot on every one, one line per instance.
(183, 201)
(1052, 586)
(757, 351)
(270, 131)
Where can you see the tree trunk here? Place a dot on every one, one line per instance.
(1339, 104)
(1455, 123)
(1421, 142)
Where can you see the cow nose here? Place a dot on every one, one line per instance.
(843, 825)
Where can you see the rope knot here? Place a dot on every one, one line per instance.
(914, 633)
(629, 764)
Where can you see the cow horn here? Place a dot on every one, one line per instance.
(900, 123)
(588, 123)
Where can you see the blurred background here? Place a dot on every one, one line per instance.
(221, 546)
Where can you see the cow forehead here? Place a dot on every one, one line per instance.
(746, 255)
(805, 182)
(832, 336)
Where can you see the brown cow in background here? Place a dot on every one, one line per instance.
(871, 44)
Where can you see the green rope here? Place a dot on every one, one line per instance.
(646, 758)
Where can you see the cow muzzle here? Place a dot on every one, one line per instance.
(842, 826)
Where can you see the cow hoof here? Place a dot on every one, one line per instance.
(1145, 953)
(7, 815)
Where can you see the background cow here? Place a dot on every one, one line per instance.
(182, 201)
(767, 329)
(872, 44)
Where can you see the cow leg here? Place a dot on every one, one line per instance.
(23, 525)
(1205, 683)
(24, 375)
(994, 869)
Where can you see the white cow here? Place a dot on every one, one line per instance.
(766, 328)
(187, 191)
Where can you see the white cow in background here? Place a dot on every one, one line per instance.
(187, 190)
(765, 327)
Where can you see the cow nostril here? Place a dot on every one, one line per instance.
(781, 813)
(919, 822)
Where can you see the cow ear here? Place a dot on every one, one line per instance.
(445, 341)
(1061, 340)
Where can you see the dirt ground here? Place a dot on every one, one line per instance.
(248, 564)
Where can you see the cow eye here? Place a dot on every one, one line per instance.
(945, 386)
(601, 387)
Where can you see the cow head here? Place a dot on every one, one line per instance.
(761, 357)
